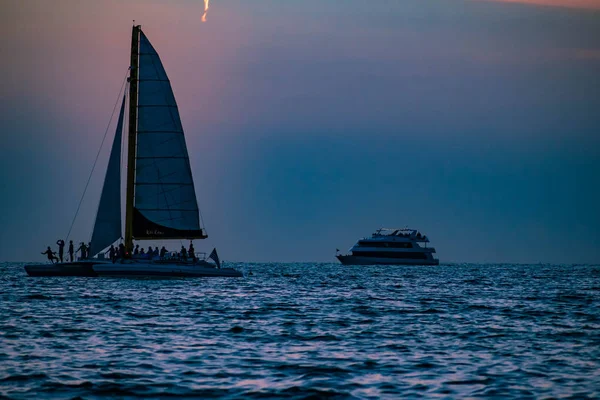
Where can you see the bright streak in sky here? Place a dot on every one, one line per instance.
(205, 10)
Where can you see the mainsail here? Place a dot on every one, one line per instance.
(165, 203)
(107, 228)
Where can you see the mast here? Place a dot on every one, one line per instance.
(132, 137)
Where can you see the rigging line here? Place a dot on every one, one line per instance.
(202, 225)
(98, 154)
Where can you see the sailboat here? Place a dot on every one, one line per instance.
(160, 196)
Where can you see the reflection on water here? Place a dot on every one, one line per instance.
(296, 330)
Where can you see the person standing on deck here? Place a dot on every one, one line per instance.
(71, 251)
(83, 249)
(192, 251)
(51, 255)
(183, 253)
(122, 251)
(112, 253)
(89, 250)
(137, 250)
(163, 251)
(61, 248)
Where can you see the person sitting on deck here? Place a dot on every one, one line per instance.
(142, 253)
(61, 248)
(51, 255)
(155, 253)
(183, 253)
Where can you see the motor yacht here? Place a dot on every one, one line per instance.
(391, 247)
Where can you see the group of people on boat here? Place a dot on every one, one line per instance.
(115, 253)
(150, 253)
(189, 253)
(52, 257)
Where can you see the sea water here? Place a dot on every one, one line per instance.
(306, 331)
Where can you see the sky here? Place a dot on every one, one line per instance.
(311, 124)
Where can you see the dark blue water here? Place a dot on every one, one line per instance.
(306, 331)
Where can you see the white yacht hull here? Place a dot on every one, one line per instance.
(356, 260)
(159, 269)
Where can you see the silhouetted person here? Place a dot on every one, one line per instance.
(150, 252)
(71, 251)
(83, 249)
(122, 250)
(191, 251)
(142, 252)
(61, 248)
(112, 253)
(183, 253)
(163, 251)
(155, 254)
(89, 250)
(51, 255)
(137, 250)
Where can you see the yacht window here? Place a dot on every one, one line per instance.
(390, 254)
(394, 245)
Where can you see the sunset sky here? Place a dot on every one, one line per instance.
(591, 4)
(313, 123)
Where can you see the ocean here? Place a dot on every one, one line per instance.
(306, 330)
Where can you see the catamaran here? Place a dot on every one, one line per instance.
(160, 196)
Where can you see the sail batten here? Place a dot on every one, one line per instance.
(165, 204)
(107, 228)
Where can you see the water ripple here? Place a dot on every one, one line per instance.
(306, 331)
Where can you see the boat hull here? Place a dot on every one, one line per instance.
(150, 269)
(356, 260)
(77, 268)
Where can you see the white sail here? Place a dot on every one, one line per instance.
(107, 228)
(165, 205)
